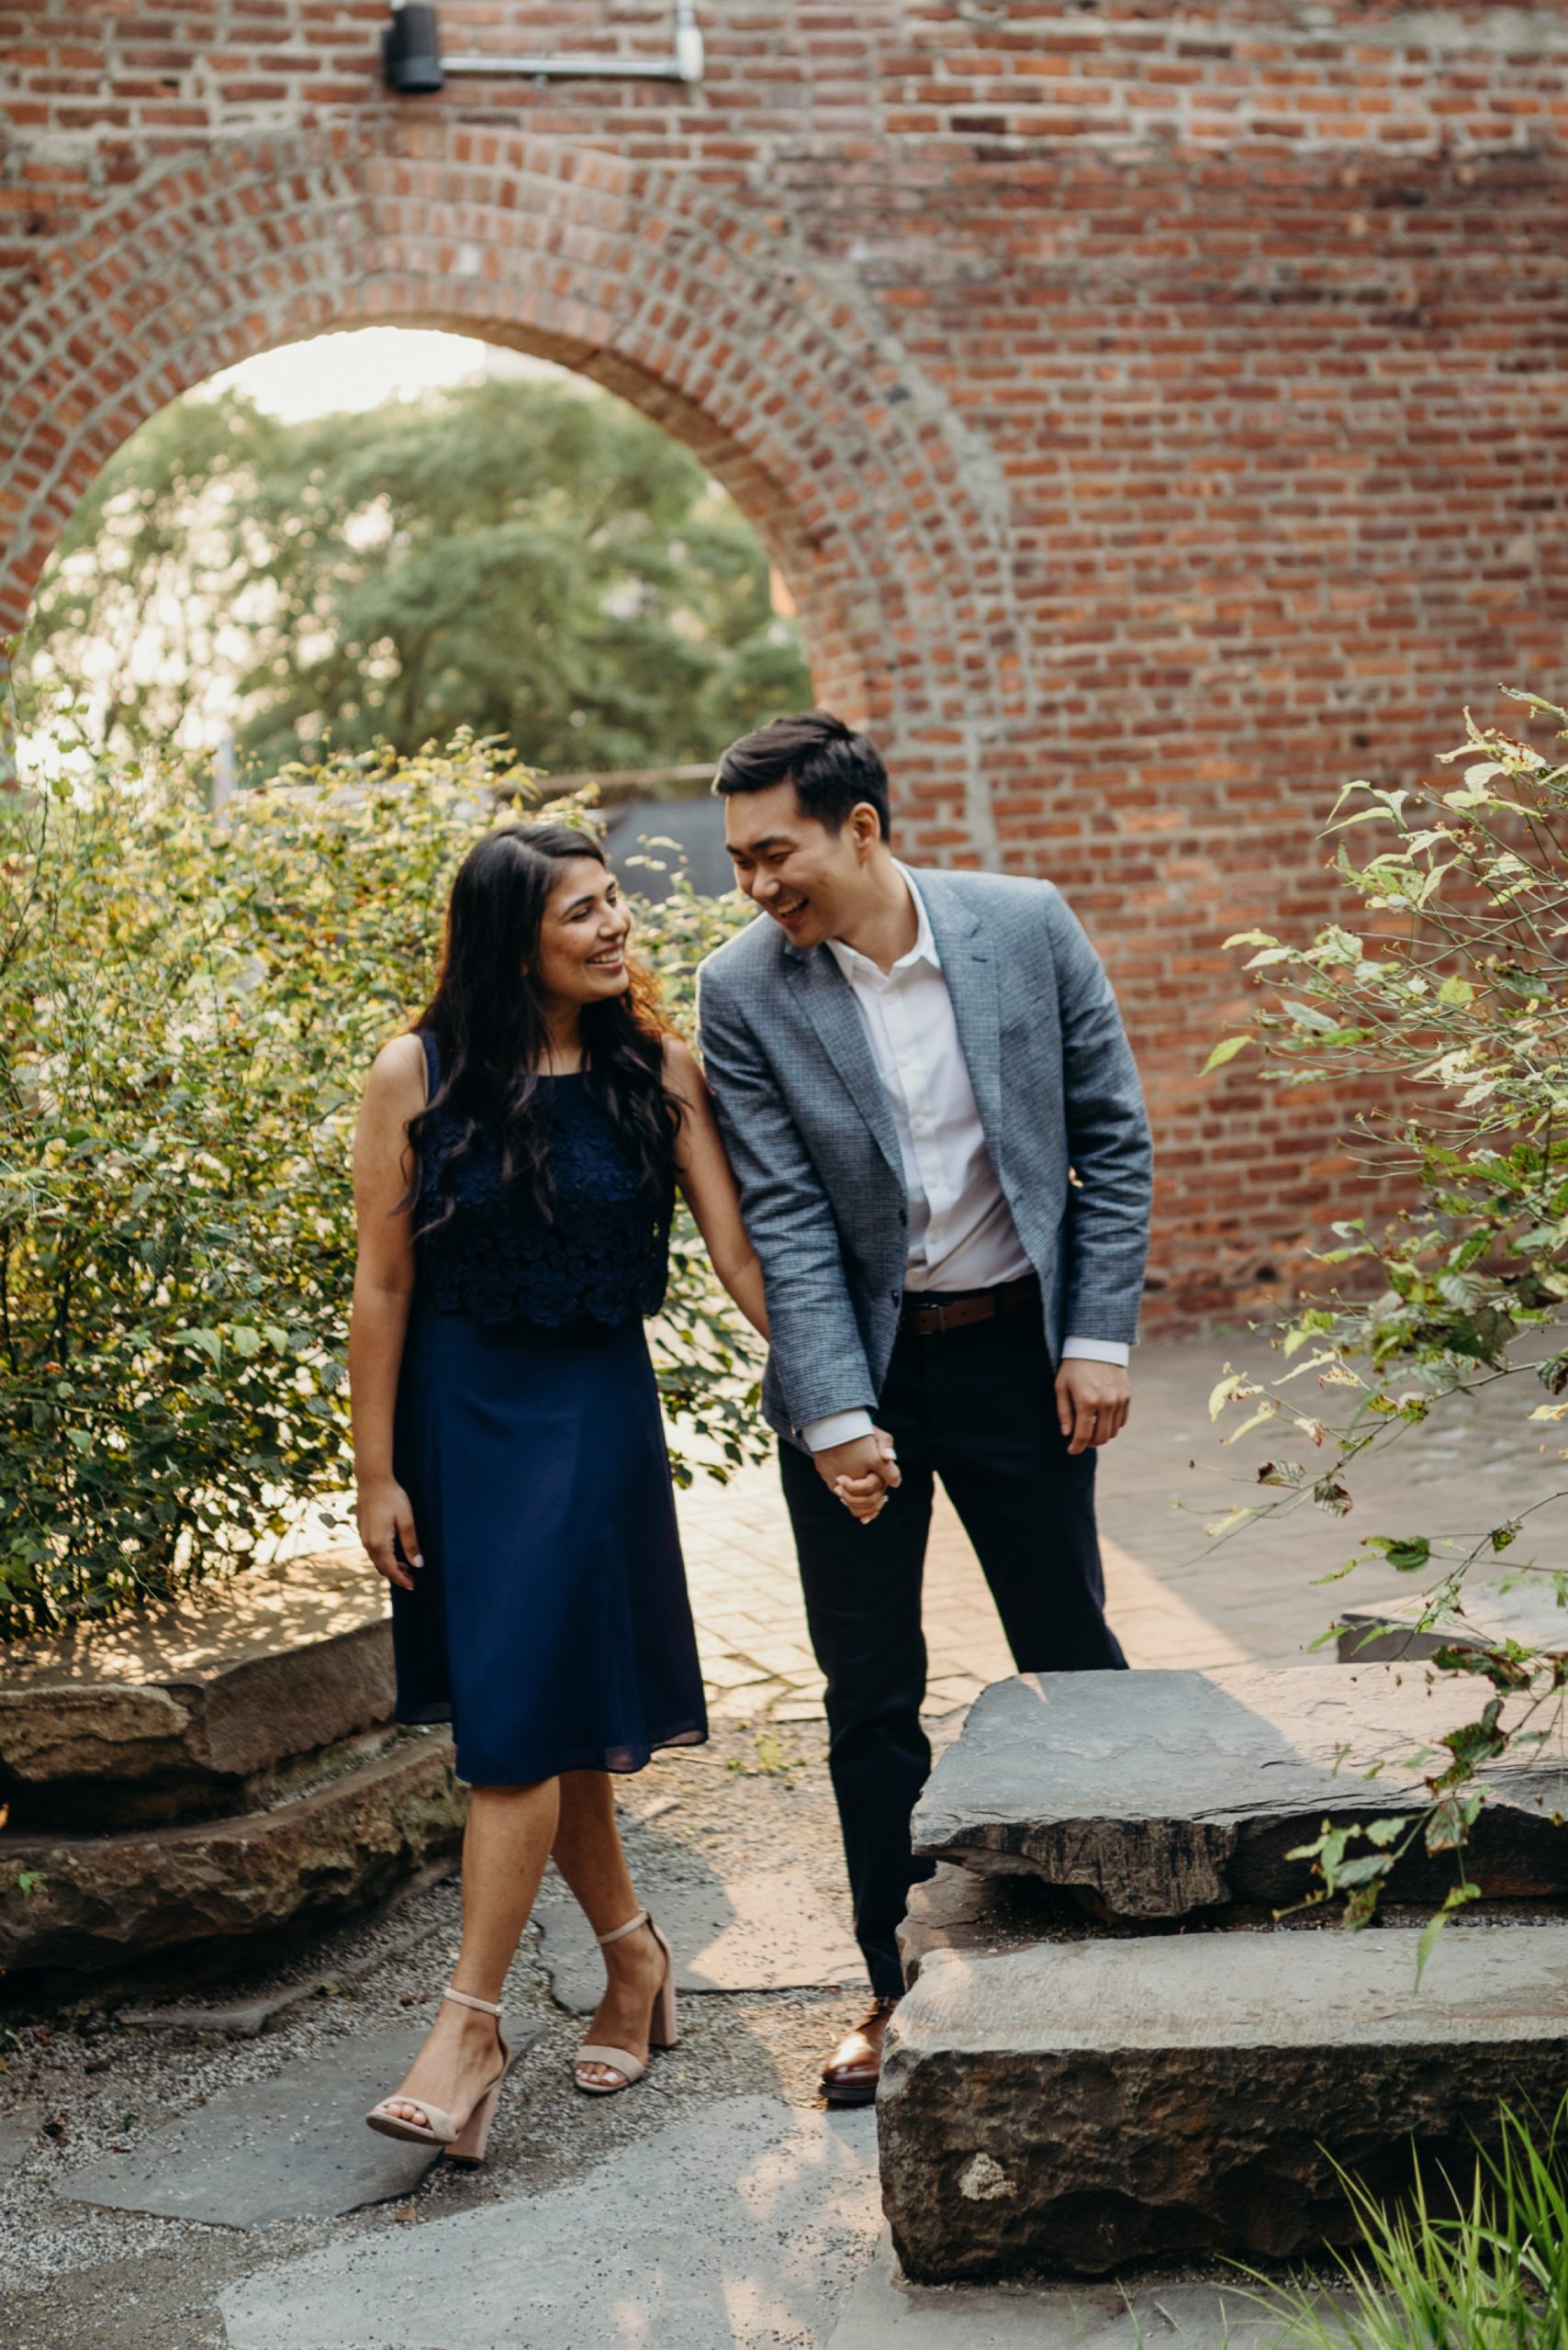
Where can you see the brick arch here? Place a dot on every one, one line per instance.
(866, 489)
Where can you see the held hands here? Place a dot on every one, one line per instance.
(386, 1530)
(1092, 1402)
(861, 1473)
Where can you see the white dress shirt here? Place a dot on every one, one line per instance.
(962, 1233)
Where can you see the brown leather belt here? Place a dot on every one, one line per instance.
(928, 1314)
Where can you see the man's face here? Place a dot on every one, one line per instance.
(804, 877)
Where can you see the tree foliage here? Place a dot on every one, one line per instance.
(1452, 998)
(534, 562)
(188, 1005)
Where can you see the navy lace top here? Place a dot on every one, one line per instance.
(603, 1254)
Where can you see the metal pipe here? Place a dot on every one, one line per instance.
(685, 64)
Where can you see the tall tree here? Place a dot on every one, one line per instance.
(534, 561)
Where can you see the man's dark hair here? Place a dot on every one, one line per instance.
(830, 767)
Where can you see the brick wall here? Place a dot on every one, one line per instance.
(1158, 412)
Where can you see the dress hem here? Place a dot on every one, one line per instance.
(629, 1760)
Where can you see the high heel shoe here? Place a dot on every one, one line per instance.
(662, 2032)
(461, 2142)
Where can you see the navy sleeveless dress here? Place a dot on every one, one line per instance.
(550, 1622)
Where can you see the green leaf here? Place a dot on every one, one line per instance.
(1408, 1554)
(1458, 1896)
(1226, 1050)
(207, 1342)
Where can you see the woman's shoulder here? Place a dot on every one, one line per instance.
(399, 1068)
(681, 1069)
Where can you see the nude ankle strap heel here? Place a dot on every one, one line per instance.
(663, 2027)
(466, 1999)
(460, 2144)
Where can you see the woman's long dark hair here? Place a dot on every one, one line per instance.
(492, 1035)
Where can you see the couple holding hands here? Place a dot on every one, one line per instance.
(917, 1153)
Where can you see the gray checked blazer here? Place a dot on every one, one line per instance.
(814, 1149)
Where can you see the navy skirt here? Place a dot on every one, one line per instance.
(550, 1622)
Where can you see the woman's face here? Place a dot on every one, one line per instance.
(581, 956)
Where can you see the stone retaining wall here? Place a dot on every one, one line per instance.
(215, 1769)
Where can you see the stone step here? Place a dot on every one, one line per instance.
(984, 1914)
(1160, 1794)
(1524, 1609)
(190, 1708)
(1080, 2106)
(103, 1900)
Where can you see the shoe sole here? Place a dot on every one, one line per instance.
(866, 2095)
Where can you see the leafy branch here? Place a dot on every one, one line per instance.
(1446, 1007)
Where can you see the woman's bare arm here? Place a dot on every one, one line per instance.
(383, 1289)
(708, 1183)
(703, 1167)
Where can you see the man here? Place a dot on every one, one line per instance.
(944, 1168)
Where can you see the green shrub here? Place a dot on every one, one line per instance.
(188, 1004)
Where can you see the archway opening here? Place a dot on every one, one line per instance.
(386, 535)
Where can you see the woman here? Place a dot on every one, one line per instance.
(515, 1165)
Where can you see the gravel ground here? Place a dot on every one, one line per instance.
(82, 2081)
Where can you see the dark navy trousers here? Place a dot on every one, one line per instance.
(977, 1408)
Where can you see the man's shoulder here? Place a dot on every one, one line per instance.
(753, 951)
(991, 897)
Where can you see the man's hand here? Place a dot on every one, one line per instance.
(1092, 1402)
(861, 1473)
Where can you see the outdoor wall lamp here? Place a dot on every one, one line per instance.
(411, 62)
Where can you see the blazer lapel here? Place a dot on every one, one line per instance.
(969, 968)
(830, 1007)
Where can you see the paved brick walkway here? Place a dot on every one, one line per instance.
(1174, 1598)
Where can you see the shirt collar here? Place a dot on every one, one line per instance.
(856, 965)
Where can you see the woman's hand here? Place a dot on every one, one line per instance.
(387, 1526)
(865, 1497)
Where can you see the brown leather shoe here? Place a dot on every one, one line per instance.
(851, 2073)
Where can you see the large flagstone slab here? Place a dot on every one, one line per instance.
(885, 2312)
(1081, 2106)
(767, 1929)
(1163, 1793)
(738, 2227)
(295, 2146)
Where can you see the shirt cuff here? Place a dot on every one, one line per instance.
(1096, 1350)
(838, 1428)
